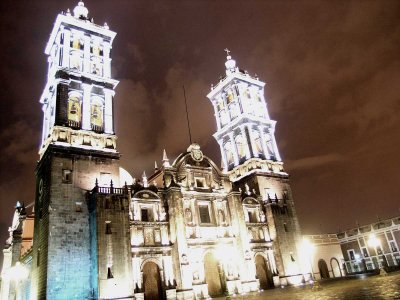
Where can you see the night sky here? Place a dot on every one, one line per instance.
(332, 73)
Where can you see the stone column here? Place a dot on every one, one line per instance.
(234, 149)
(86, 54)
(66, 48)
(272, 135)
(217, 116)
(252, 142)
(107, 60)
(87, 88)
(108, 111)
(247, 146)
(263, 142)
(223, 154)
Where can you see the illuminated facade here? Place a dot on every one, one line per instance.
(188, 231)
(371, 246)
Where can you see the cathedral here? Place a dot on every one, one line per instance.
(190, 230)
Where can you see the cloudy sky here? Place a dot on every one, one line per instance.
(332, 73)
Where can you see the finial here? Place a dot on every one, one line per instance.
(155, 166)
(80, 11)
(144, 178)
(106, 26)
(227, 51)
(96, 183)
(212, 86)
(230, 63)
(68, 12)
(165, 159)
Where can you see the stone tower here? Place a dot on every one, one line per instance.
(251, 158)
(78, 147)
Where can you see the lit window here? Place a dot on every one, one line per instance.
(240, 146)
(229, 153)
(96, 114)
(74, 111)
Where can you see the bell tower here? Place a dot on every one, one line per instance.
(77, 152)
(244, 128)
(77, 101)
(250, 156)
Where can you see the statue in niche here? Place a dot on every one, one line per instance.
(247, 189)
(262, 216)
(196, 275)
(162, 214)
(188, 216)
(221, 216)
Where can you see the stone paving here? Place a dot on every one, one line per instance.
(372, 287)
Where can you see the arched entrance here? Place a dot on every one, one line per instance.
(212, 275)
(335, 266)
(152, 281)
(264, 273)
(323, 269)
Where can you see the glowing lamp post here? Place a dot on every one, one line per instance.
(16, 275)
(308, 249)
(374, 242)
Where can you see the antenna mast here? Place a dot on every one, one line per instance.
(187, 114)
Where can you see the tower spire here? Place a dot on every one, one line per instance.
(165, 160)
(230, 63)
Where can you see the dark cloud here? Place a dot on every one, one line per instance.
(332, 70)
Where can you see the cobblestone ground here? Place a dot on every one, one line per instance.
(373, 287)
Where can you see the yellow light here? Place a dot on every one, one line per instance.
(17, 272)
(373, 241)
(308, 247)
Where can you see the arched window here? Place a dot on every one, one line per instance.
(221, 104)
(257, 142)
(74, 110)
(96, 66)
(234, 109)
(96, 114)
(229, 96)
(76, 60)
(240, 146)
(229, 153)
(224, 117)
(270, 147)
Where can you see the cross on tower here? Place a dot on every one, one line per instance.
(227, 51)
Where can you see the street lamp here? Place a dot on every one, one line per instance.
(308, 249)
(374, 242)
(15, 275)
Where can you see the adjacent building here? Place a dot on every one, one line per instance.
(190, 230)
(371, 246)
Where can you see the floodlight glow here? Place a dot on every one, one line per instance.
(17, 272)
(373, 241)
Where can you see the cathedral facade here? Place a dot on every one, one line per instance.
(191, 230)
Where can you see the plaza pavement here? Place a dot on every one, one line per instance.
(360, 288)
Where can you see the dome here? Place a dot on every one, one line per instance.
(124, 176)
(80, 11)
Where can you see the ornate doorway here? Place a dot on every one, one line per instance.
(212, 275)
(323, 269)
(264, 273)
(152, 281)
